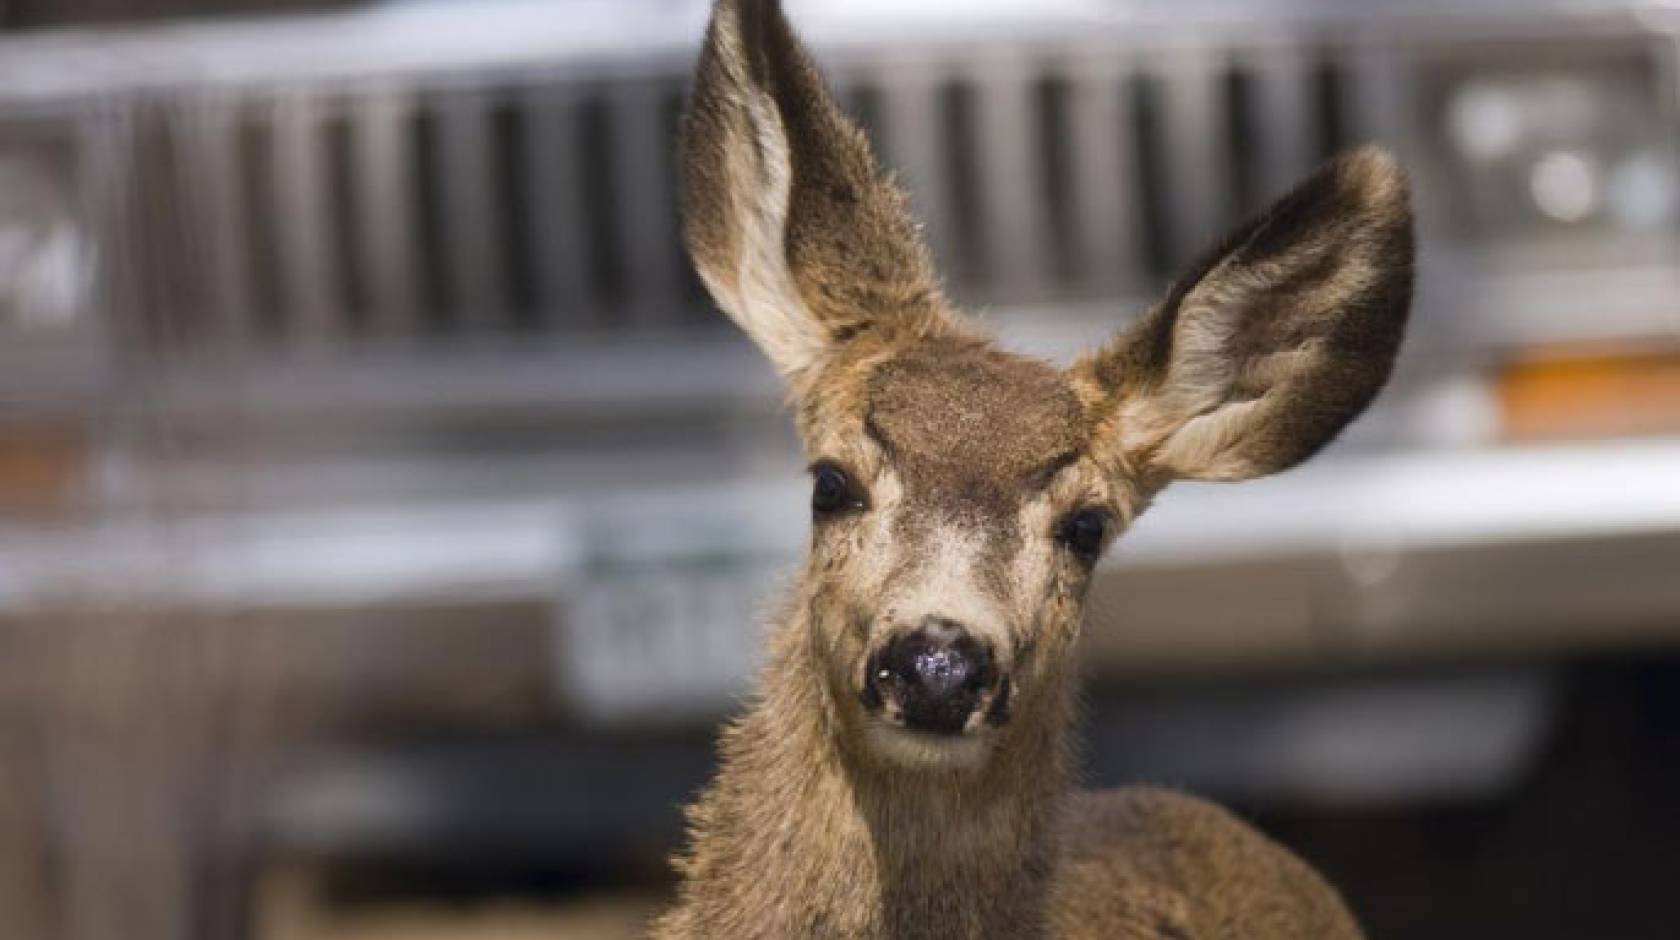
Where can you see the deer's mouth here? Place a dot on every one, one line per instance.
(932, 751)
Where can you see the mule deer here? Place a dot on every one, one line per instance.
(903, 770)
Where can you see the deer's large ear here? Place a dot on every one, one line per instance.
(792, 226)
(1276, 340)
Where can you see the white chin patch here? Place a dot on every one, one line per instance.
(928, 751)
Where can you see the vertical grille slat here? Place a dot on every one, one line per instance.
(1013, 218)
(211, 152)
(959, 187)
(382, 196)
(435, 281)
(559, 220)
(1051, 138)
(1194, 151)
(172, 299)
(643, 134)
(346, 224)
(261, 215)
(603, 222)
(911, 117)
(1331, 100)
(1282, 116)
(1155, 227)
(307, 266)
(471, 238)
(1105, 201)
(510, 122)
(1374, 96)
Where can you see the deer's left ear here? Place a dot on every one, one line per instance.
(1275, 341)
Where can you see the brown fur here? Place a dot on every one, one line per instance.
(968, 423)
(1147, 863)
(827, 819)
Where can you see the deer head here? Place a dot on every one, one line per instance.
(962, 494)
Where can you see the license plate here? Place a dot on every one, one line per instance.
(664, 637)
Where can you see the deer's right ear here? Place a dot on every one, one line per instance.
(791, 225)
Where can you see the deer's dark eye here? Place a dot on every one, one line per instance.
(1083, 532)
(832, 491)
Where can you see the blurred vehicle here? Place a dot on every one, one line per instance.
(369, 334)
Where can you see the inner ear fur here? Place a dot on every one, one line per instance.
(1273, 341)
(792, 226)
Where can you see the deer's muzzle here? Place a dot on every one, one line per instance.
(936, 679)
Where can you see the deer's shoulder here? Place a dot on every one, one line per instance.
(1144, 862)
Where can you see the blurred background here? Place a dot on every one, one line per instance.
(386, 517)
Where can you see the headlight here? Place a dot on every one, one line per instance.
(46, 262)
(1541, 142)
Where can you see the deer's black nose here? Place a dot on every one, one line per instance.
(936, 675)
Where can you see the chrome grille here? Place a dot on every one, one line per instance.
(305, 217)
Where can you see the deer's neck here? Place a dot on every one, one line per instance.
(800, 836)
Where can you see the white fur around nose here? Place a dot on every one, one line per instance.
(946, 582)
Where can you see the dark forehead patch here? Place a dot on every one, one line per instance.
(973, 422)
